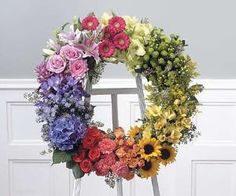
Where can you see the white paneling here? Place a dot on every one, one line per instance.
(214, 178)
(23, 173)
(21, 123)
(217, 123)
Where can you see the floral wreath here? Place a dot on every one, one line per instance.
(76, 57)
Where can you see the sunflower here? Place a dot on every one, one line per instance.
(168, 154)
(134, 131)
(150, 168)
(149, 147)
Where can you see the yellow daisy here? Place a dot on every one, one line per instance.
(149, 148)
(134, 131)
(150, 168)
(168, 154)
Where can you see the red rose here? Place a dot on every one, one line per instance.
(88, 142)
(79, 157)
(107, 146)
(94, 154)
(94, 132)
(86, 166)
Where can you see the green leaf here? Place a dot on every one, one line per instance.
(70, 164)
(77, 172)
(60, 157)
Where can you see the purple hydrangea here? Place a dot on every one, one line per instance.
(66, 131)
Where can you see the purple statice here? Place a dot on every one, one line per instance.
(42, 73)
(66, 131)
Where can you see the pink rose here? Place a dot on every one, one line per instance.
(56, 64)
(71, 53)
(120, 169)
(107, 146)
(78, 68)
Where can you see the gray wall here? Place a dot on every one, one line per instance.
(208, 26)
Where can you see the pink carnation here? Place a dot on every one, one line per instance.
(107, 146)
(110, 159)
(106, 49)
(42, 72)
(56, 64)
(121, 41)
(90, 23)
(78, 68)
(101, 168)
(118, 23)
(71, 53)
(120, 169)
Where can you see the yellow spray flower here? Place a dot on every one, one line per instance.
(153, 111)
(134, 131)
(160, 123)
(149, 148)
(150, 168)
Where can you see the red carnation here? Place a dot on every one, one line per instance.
(110, 159)
(88, 142)
(118, 23)
(121, 41)
(86, 166)
(94, 154)
(109, 32)
(90, 23)
(79, 157)
(106, 49)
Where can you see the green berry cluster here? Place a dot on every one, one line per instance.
(164, 63)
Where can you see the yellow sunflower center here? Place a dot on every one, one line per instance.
(147, 166)
(148, 149)
(165, 154)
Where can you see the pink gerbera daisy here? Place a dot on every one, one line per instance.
(106, 49)
(90, 23)
(118, 23)
(109, 32)
(121, 41)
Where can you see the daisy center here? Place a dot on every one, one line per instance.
(90, 23)
(165, 154)
(121, 42)
(106, 48)
(147, 166)
(117, 25)
(148, 149)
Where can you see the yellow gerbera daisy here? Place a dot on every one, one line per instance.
(168, 154)
(150, 168)
(149, 148)
(134, 131)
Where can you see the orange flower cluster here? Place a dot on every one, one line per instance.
(127, 150)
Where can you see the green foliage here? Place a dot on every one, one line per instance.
(77, 172)
(60, 157)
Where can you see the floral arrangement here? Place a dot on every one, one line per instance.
(77, 56)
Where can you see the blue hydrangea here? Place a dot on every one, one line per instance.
(66, 131)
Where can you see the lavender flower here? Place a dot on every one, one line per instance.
(66, 131)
